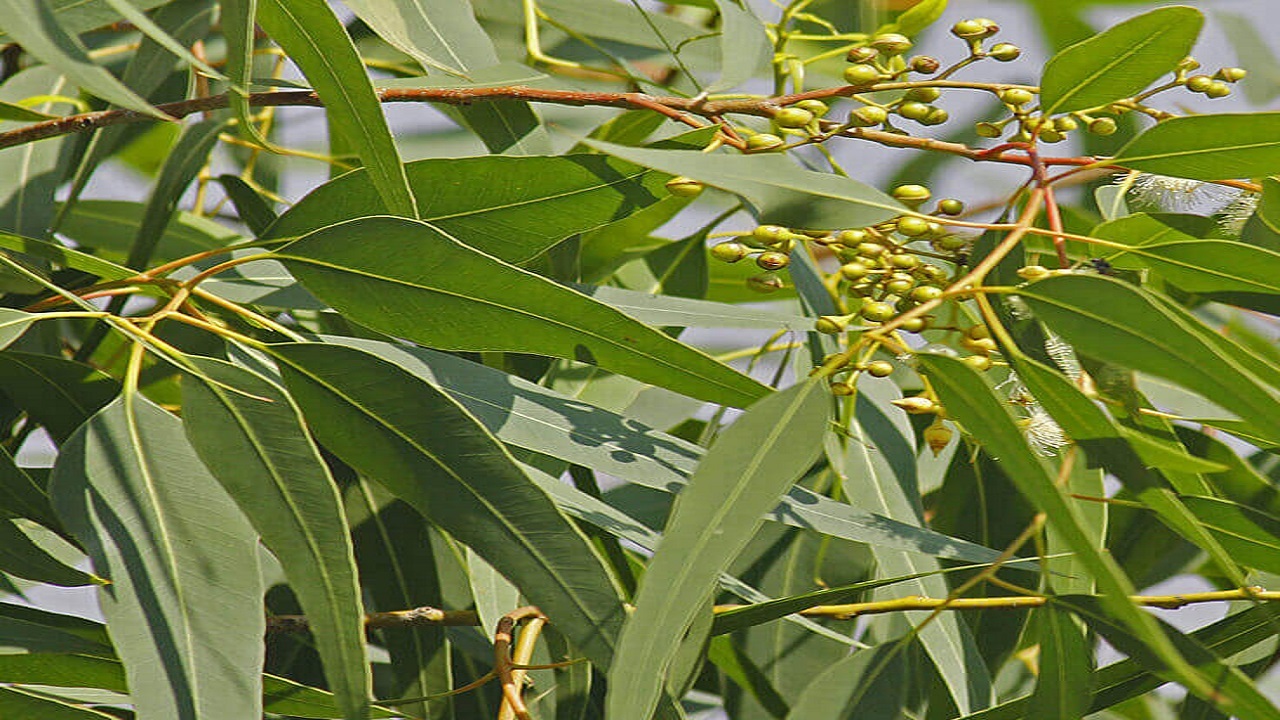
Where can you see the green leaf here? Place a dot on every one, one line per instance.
(919, 16)
(21, 495)
(34, 25)
(59, 394)
(185, 601)
(317, 42)
(743, 475)
(19, 703)
(110, 225)
(878, 462)
(530, 416)
(665, 310)
(13, 323)
(251, 436)
(1263, 227)
(66, 257)
(430, 452)
(745, 48)
(1208, 147)
(974, 404)
(1251, 536)
(870, 684)
(1137, 332)
(1119, 62)
(514, 208)
(157, 35)
(1229, 689)
(363, 266)
(1065, 684)
(77, 16)
(780, 191)
(250, 206)
(440, 34)
(21, 557)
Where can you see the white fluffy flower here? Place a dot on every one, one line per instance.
(1043, 433)
(1175, 194)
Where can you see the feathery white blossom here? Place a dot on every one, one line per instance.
(1043, 433)
(1176, 194)
(1238, 212)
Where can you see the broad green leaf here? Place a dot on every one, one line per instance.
(318, 43)
(870, 684)
(1128, 678)
(13, 323)
(529, 416)
(730, 659)
(1229, 689)
(1253, 52)
(1208, 147)
(1251, 536)
(1137, 332)
(1065, 683)
(919, 16)
(972, 403)
(65, 257)
(451, 296)
(21, 557)
(185, 602)
(30, 629)
(513, 208)
(439, 34)
(77, 16)
(745, 48)
(1120, 61)
(28, 187)
(430, 452)
(21, 113)
(666, 310)
(59, 394)
(743, 475)
(250, 206)
(157, 34)
(251, 437)
(780, 191)
(35, 25)
(16, 702)
(878, 463)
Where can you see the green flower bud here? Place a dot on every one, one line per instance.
(1218, 89)
(911, 195)
(899, 286)
(1050, 134)
(914, 110)
(1016, 96)
(1199, 83)
(793, 117)
(766, 282)
(981, 363)
(851, 238)
(969, 29)
(862, 54)
(1004, 52)
(879, 368)
(730, 252)
(950, 243)
(1231, 74)
(870, 249)
(772, 260)
(1033, 272)
(764, 142)
(841, 389)
(861, 74)
(937, 436)
(817, 107)
(914, 325)
(924, 64)
(891, 44)
(877, 311)
(1065, 124)
(924, 94)
(950, 206)
(771, 234)
(854, 271)
(868, 116)
(936, 116)
(925, 293)
(831, 324)
(916, 405)
(682, 186)
(1102, 126)
(913, 226)
(904, 261)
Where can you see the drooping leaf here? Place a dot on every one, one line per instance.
(21, 557)
(17, 702)
(665, 310)
(454, 297)
(529, 416)
(779, 190)
(1065, 683)
(870, 684)
(1251, 536)
(1138, 332)
(251, 437)
(431, 453)
(745, 49)
(742, 476)
(318, 43)
(36, 26)
(1119, 62)
(59, 394)
(185, 602)
(1207, 147)
(513, 208)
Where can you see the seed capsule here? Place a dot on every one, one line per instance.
(772, 260)
(937, 436)
(880, 368)
(765, 282)
(682, 186)
(730, 252)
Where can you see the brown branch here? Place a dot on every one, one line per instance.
(678, 108)
(416, 617)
